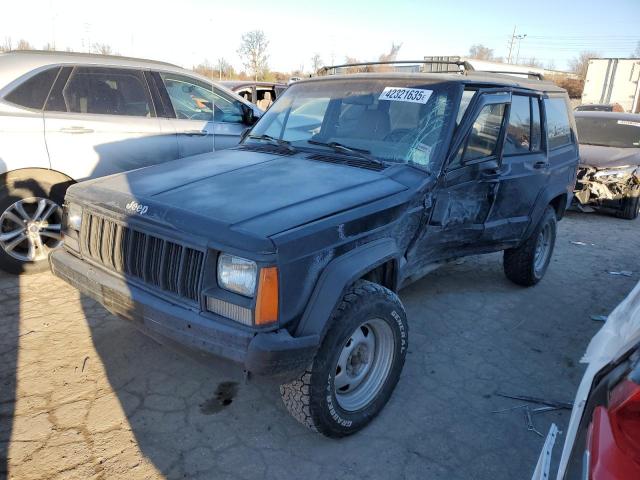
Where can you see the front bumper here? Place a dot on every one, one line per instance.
(275, 354)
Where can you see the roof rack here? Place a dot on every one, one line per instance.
(463, 65)
(428, 66)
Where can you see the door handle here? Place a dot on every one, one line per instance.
(76, 130)
(541, 164)
(196, 133)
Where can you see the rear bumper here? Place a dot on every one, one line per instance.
(275, 354)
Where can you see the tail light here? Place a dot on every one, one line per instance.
(624, 413)
(613, 439)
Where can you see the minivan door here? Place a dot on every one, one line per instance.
(467, 187)
(101, 120)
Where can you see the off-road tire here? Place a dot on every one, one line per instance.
(15, 186)
(630, 205)
(311, 399)
(519, 263)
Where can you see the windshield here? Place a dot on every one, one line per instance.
(608, 132)
(396, 120)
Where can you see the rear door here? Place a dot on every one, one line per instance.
(562, 144)
(524, 172)
(466, 189)
(101, 120)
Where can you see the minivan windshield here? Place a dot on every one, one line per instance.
(608, 132)
(390, 120)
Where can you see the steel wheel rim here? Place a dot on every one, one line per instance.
(364, 364)
(30, 229)
(543, 248)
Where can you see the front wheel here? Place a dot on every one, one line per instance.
(527, 264)
(357, 366)
(30, 221)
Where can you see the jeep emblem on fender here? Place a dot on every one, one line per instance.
(136, 207)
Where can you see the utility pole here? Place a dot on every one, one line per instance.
(513, 37)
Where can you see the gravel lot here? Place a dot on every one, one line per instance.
(84, 395)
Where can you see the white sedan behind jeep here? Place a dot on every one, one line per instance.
(66, 117)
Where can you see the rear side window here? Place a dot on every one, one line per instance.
(558, 126)
(107, 91)
(519, 128)
(523, 131)
(33, 92)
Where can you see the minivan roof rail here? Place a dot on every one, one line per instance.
(464, 67)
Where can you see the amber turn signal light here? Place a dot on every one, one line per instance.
(267, 300)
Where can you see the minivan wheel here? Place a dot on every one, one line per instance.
(526, 265)
(30, 222)
(630, 205)
(357, 366)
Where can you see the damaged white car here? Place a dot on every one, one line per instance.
(609, 171)
(602, 440)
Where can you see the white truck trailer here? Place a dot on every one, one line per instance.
(613, 80)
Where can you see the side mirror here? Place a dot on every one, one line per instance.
(248, 115)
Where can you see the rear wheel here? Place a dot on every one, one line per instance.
(630, 205)
(30, 222)
(527, 264)
(357, 366)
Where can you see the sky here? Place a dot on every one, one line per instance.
(189, 32)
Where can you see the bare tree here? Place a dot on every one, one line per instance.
(7, 45)
(225, 70)
(102, 49)
(253, 51)
(316, 62)
(532, 62)
(636, 52)
(579, 64)
(480, 52)
(24, 45)
(392, 54)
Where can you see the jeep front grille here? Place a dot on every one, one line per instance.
(157, 262)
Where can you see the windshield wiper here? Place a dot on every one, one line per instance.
(356, 152)
(274, 141)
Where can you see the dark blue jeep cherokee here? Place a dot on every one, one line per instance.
(285, 253)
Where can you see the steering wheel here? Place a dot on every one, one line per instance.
(397, 134)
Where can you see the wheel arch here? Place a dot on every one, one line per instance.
(59, 181)
(376, 259)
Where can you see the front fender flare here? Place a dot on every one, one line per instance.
(336, 277)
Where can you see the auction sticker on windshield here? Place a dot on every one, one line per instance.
(399, 94)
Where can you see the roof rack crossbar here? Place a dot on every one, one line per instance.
(536, 75)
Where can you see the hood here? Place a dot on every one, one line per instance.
(608, 157)
(233, 195)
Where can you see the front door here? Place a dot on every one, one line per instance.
(100, 121)
(467, 187)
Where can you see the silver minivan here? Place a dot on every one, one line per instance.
(67, 117)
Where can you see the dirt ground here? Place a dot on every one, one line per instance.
(85, 395)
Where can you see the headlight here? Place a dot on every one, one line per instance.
(237, 274)
(615, 172)
(74, 217)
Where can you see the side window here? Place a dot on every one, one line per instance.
(519, 128)
(191, 98)
(107, 91)
(226, 109)
(483, 140)
(558, 126)
(33, 92)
